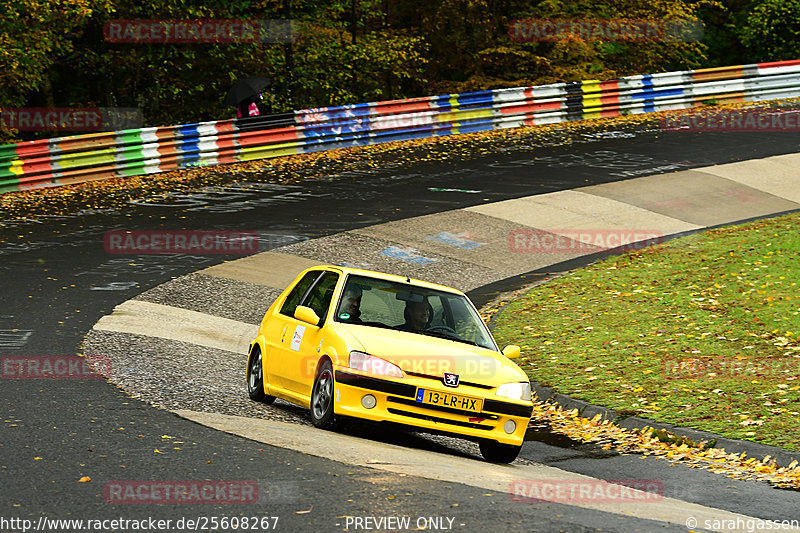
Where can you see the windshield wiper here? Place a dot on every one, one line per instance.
(451, 337)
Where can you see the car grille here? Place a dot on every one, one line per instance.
(439, 380)
(432, 418)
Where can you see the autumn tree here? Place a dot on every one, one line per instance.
(35, 35)
(351, 51)
(769, 30)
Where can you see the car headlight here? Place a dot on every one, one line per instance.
(374, 365)
(515, 391)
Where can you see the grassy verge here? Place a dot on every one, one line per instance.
(702, 332)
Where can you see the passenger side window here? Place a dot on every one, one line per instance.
(319, 297)
(293, 300)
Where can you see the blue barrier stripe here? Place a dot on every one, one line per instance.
(187, 130)
(647, 81)
(187, 146)
(657, 93)
(480, 97)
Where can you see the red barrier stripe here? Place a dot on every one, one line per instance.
(36, 166)
(224, 126)
(274, 136)
(530, 107)
(66, 178)
(227, 139)
(32, 148)
(30, 182)
(394, 107)
(609, 91)
(774, 64)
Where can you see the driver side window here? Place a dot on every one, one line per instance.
(319, 297)
(293, 300)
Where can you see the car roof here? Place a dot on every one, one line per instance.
(388, 277)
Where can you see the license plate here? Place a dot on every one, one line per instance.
(445, 399)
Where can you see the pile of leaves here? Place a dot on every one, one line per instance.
(648, 441)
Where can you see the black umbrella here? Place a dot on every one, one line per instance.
(244, 89)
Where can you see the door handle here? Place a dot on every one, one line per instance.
(283, 334)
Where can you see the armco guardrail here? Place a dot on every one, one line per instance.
(65, 160)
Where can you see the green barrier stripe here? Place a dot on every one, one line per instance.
(9, 185)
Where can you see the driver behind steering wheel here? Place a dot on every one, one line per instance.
(418, 316)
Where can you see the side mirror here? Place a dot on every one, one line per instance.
(511, 351)
(306, 314)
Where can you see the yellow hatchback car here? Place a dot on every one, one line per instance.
(350, 342)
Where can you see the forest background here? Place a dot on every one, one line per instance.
(54, 53)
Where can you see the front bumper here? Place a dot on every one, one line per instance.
(396, 402)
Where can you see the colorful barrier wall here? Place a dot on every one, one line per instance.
(80, 158)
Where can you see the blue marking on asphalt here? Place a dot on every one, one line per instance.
(456, 239)
(408, 255)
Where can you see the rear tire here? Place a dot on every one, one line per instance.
(495, 452)
(255, 379)
(322, 398)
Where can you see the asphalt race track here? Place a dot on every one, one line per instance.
(58, 282)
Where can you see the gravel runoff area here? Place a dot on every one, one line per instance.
(361, 251)
(226, 298)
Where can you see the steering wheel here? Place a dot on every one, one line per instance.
(442, 329)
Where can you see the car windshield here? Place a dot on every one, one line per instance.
(406, 307)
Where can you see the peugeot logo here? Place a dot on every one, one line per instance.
(450, 380)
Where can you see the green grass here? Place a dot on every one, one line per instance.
(701, 332)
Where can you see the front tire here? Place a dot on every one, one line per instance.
(255, 379)
(322, 398)
(495, 452)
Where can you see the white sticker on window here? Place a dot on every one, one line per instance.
(297, 338)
